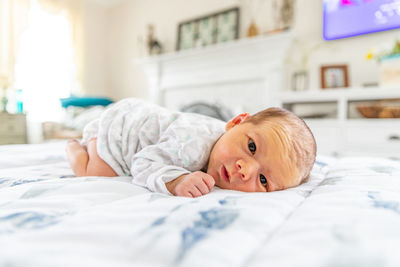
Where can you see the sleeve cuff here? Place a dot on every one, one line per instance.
(160, 181)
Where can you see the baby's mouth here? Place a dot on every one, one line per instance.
(225, 174)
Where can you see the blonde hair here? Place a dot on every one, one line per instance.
(295, 136)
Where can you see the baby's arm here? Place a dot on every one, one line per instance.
(194, 184)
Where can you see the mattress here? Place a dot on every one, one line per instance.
(347, 214)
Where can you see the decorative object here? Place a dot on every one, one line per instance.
(380, 109)
(228, 25)
(85, 101)
(4, 102)
(334, 76)
(153, 45)
(300, 81)
(267, 16)
(252, 30)
(286, 14)
(206, 28)
(388, 57)
(4, 84)
(256, 12)
(215, 28)
(384, 51)
(389, 71)
(19, 98)
(282, 13)
(370, 84)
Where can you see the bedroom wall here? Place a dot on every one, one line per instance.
(127, 34)
(96, 79)
(350, 51)
(119, 32)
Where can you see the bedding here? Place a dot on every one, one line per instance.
(347, 214)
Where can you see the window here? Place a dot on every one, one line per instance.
(45, 69)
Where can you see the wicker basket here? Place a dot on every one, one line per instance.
(381, 109)
(390, 112)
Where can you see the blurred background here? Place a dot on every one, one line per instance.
(335, 63)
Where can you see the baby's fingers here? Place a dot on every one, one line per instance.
(195, 192)
(202, 187)
(208, 180)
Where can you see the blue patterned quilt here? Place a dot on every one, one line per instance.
(348, 214)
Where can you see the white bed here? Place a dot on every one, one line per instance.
(348, 214)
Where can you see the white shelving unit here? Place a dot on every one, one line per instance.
(345, 134)
(234, 73)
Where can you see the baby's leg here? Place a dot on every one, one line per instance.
(96, 165)
(87, 162)
(78, 157)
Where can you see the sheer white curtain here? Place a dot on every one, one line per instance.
(13, 21)
(74, 12)
(50, 60)
(45, 68)
(15, 16)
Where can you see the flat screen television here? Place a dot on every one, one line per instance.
(345, 18)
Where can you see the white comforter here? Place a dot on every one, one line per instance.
(348, 214)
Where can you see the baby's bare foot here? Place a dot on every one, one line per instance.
(74, 143)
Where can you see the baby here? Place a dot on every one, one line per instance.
(186, 154)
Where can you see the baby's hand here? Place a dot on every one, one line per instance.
(194, 184)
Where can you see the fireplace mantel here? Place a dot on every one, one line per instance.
(247, 72)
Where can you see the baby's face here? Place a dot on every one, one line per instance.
(246, 158)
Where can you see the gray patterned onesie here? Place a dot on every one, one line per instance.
(152, 144)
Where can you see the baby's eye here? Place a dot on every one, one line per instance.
(252, 146)
(263, 180)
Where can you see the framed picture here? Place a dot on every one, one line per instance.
(300, 81)
(214, 28)
(227, 25)
(206, 31)
(335, 76)
(187, 35)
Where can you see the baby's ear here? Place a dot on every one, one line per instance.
(237, 120)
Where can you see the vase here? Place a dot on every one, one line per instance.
(4, 102)
(389, 71)
(252, 30)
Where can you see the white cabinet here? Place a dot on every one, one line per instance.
(12, 128)
(327, 135)
(379, 137)
(339, 129)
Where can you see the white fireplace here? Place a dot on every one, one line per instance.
(243, 75)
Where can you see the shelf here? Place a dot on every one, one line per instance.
(347, 94)
(239, 44)
(336, 103)
(355, 122)
(313, 110)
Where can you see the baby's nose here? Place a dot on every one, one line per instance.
(240, 169)
(245, 170)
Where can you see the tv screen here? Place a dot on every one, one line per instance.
(345, 18)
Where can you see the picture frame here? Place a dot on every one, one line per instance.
(300, 81)
(215, 28)
(334, 76)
